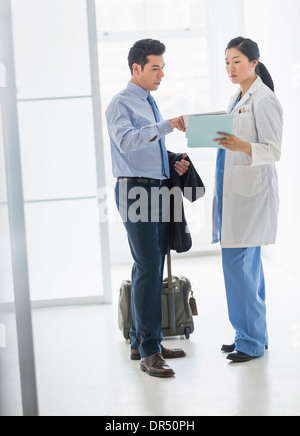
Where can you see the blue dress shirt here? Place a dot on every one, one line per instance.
(132, 128)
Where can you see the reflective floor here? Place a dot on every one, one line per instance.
(83, 362)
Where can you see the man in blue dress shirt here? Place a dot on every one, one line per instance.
(140, 163)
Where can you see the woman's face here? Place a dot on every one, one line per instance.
(239, 69)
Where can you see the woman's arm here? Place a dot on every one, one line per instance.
(269, 125)
(233, 143)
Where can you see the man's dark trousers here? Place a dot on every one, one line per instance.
(148, 243)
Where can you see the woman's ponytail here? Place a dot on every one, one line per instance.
(265, 76)
(250, 49)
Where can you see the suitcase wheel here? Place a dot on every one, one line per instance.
(187, 332)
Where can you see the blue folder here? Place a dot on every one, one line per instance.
(201, 130)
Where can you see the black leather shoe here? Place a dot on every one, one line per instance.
(228, 348)
(239, 357)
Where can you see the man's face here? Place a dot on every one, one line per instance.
(151, 76)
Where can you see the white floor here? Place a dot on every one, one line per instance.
(83, 362)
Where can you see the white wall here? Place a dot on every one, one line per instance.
(274, 24)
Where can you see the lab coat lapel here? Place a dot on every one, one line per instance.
(258, 82)
(241, 102)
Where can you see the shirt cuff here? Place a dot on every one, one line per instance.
(250, 158)
(164, 128)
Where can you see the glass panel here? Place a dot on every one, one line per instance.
(175, 14)
(150, 15)
(6, 286)
(58, 152)
(129, 12)
(3, 193)
(63, 249)
(10, 386)
(51, 48)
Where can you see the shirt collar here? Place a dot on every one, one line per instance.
(137, 90)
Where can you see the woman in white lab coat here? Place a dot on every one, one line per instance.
(246, 199)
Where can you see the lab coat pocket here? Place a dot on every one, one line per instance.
(247, 181)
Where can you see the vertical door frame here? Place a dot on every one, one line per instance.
(17, 217)
(99, 145)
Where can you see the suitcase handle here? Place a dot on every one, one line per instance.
(169, 270)
(171, 297)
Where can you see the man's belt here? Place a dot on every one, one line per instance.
(142, 180)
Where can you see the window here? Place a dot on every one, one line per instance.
(55, 108)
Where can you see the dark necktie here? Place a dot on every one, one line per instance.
(164, 154)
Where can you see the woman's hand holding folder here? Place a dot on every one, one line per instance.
(233, 143)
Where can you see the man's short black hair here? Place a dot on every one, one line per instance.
(142, 49)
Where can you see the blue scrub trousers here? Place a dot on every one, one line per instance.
(245, 285)
(148, 242)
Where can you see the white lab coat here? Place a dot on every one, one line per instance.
(250, 193)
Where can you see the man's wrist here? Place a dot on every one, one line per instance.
(164, 127)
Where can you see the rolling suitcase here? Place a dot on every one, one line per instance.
(178, 306)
